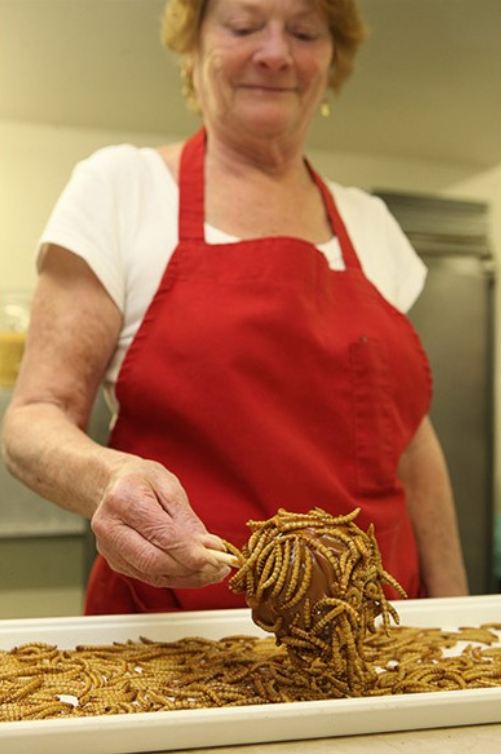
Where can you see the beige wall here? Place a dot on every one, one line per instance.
(35, 162)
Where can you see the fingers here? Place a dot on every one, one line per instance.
(145, 528)
(133, 556)
(212, 541)
(226, 558)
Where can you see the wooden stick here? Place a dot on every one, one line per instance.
(225, 557)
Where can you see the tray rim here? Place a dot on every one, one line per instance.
(210, 723)
(404, 607)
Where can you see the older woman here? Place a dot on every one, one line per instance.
(246, 319)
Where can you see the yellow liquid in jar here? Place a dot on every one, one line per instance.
(11, 352)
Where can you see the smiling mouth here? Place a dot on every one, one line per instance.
(266, 88)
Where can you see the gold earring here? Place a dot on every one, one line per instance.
(325, 108)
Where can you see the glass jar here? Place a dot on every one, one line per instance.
(14, 320)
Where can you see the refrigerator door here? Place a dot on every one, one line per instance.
(454, 319)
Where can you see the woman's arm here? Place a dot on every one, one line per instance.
(73, 331)
(144, 524)
(425, 478)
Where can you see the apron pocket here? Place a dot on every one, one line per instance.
(374, 429)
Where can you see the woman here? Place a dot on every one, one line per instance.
(252, 361)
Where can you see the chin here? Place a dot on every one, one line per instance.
(269, 122)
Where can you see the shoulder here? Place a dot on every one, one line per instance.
(358, 203)
(118, 161)
(171, 155)
(126, 177)
(369, 221)
(385, 253)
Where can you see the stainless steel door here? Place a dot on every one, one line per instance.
(454, 319)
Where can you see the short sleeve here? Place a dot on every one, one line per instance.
(409, 269)
(87, 218)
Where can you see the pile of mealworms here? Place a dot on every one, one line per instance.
(40, 681)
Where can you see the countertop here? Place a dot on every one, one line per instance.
(474, 739)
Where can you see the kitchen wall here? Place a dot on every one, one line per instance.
(43, 576)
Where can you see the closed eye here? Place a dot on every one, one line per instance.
(305, 35)
(243, 32)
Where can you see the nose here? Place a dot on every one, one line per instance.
(274, 51)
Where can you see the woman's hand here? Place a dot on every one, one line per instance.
(146, 528)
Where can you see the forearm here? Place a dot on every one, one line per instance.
(48, 453)
(431, 507)
(435, 526)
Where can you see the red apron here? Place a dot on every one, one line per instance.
(264, 379)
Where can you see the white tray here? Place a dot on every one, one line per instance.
(185, 729)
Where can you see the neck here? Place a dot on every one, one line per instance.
(278, 158)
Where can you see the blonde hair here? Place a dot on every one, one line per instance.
(182, 20)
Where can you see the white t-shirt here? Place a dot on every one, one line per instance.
(119, 212)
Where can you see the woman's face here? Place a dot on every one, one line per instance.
(262, 64)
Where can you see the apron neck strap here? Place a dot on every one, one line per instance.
(336, 221)
(191, 199)
(191, 188)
